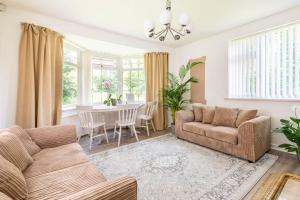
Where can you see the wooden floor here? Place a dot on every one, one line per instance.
(285, 163)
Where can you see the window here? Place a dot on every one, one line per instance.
(134, 77)
(103, 71)
(70, 76)
(266, 65)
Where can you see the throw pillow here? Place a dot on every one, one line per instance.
(198, 113)
(12, 183)
(22, 134)
(225, 116)
(208, 114)
(12, 149)
(245, 115)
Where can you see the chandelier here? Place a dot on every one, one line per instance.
(166, 19)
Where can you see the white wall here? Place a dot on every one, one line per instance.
(9, 42)
(215, 49)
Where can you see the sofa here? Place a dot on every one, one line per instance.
(233, 131)
(47, 163)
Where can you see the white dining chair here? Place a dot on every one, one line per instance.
(126, 118)
(88, 124)
(147, 118)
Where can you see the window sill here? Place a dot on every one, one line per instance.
(261, 99)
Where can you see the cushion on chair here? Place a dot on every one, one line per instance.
(224, 134)
(13, 150)
(196, 127)
(245, 115)
(208, 114)
(225, 116)
(12, 182)
(22, 134)
(64, 182)
(52, 159)
(198, 113)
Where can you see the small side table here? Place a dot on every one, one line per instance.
(278, 187)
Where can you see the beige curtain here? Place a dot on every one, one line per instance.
(40, 77)
(156, 71)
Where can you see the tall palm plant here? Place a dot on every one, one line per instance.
(173, 94)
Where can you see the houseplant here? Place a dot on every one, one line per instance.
(291, 129)
(173, 94)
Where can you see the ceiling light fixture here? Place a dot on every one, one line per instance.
(166, 19)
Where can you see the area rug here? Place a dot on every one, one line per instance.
(169, 168)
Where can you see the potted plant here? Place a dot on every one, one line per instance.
(119, 99)
(291, 129)
(108, 100)
(173, 94)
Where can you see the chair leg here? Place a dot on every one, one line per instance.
(104, 127)
(79, 136)
(154, 129)
(120, 133)
(115, 129)
(137, 139)
(147, 128)
(91, 139)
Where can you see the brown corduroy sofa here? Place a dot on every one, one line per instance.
(62, 171)
(249, 140)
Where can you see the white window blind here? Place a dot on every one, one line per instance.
(266, 65)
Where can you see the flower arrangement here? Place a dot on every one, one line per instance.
(106, 85)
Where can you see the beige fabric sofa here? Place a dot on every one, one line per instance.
(250, 140)
(61, 170)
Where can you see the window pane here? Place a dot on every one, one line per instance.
(69, 84)
(134, 82)
(99, 90)
(70, 56)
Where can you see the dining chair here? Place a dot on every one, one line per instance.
(147, 118)
(89, 123)
(126, 118)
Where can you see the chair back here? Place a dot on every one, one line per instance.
(151, 108)
(128, 113)
(85, 118)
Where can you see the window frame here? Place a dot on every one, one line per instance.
(70, 46)
(257, 98)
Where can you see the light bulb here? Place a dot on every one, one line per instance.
(188, 29)
(165, 17)
(149, 26)
(184, 19)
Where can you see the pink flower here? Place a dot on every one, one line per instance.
(106, 84)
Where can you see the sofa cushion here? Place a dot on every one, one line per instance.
(225, 116)
(22, 134)
(52, 159)
(12, 182)
(208, 114)
(224, 134)
(62, 183)
(245, 115)
(198, 113)
(196, 127)
(4, 196)
(12, 149)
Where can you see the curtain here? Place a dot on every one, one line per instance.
(156, 72)
(39, 97)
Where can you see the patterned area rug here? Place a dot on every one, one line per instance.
(169, 168)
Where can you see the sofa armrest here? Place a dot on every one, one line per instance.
(182, 117)
(118, 189)
(255, 136)
(53, 136)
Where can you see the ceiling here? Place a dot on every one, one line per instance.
(127, 16)
(99, 46)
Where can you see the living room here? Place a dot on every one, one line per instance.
(149, 99)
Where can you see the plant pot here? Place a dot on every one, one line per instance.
(298, 157)
(173, 129)
(113, 102)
